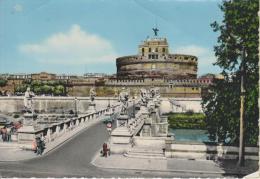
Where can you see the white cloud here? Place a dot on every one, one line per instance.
(72, 47)
(206, 56)
(18, 8)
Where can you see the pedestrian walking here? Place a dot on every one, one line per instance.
(40, 146)
(109, 128)
(17, 125)
(105, 150)
(34, 146)
(4, 133)
(8, 134)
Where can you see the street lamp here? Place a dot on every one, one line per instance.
(133, 107)
(76, 107)
(241, 155)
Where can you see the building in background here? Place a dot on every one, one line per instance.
(154, 61)
(153, 66)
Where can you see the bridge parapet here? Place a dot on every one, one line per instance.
(147, 123)
(56, 130)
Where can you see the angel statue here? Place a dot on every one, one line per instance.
(123, 98)
(27, 100)
(143, 96)
(92, 94)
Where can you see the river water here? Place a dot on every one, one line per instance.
(190, 135)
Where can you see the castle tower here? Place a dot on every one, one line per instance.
(155, 61)
(154, 48)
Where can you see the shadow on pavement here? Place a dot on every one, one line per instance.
(231, 168)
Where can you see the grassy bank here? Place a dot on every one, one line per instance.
(187, 120)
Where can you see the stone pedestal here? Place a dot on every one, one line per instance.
(29, 130)
(121, 137)
(153, 117)
(146, 131)
(151, 105)
(27, 134)
(92, 107)
(122, 121)
(29, 119)
(144, 111)
(157, 103)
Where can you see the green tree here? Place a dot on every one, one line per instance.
(21, 88)
(238, 30)
(37, 90)
(3, 82)
(36, 83)
(58, 90)
(45, 89)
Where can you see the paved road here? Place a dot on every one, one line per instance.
(73, 159)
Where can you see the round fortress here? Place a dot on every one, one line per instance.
(154, 61)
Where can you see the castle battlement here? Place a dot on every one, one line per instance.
(154, 60)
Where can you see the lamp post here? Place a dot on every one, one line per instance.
(76, 107)
(133, 107)
(14, 87)
(259, 92)
(241, 156)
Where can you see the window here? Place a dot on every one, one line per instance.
(156, 50)
(163, 50)
(150, 49)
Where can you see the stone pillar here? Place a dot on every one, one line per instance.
(70, 125)
(122, 121)
(92, 107)
(48, 134)
(121, 137)
(168, 147)
(58, 129)
(65, 127)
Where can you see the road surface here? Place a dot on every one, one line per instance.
(73, 159)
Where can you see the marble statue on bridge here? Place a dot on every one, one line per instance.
(92, 94)
(144, 96)
(92, 105)
(123, 98)
(28, 96)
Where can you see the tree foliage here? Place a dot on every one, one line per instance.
(56, 88)
(3, 82)
(187, 120)
(238, 31)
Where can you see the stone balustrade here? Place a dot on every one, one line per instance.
(177, 149)
(135, 124)
(53, 131)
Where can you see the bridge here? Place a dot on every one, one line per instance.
(144, 136)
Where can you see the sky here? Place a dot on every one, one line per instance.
(86, 36)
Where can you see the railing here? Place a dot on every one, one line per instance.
(53, 131)
(135, 125)
(58, 129)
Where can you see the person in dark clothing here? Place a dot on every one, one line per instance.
(4, 134)
(105, 150)
(40, 146)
